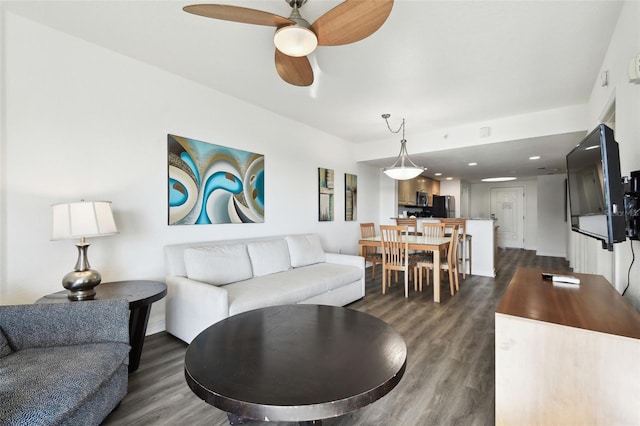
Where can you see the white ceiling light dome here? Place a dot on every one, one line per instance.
(295, 40)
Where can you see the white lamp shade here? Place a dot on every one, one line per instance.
(403, 173)
(295, 40)
(82, 219)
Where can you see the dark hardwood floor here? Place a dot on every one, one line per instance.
(449, 378)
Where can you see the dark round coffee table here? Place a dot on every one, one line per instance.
(299, 363)
(139, 293)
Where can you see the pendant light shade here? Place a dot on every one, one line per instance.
(403, 168)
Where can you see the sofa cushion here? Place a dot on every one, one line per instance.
(218, 265)
(5, 348)
(292, 286)
(45, 385)
(269, 257)
(305, 250)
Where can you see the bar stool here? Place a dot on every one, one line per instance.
(464, 240)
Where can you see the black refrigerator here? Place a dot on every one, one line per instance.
(443, 206)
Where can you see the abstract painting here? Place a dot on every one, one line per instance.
(209, 183)
(350, 197)
(325, 192)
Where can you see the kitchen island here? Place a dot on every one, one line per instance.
(484, 248)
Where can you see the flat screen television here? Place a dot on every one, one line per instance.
(596, 192)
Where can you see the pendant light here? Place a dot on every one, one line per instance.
(403, 168)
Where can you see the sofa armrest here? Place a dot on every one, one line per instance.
(192, 306)
(61, 324)
(345, 259)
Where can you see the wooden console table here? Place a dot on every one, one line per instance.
(564, 355)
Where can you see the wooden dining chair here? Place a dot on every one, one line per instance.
(410, 222)
(412, 226)
(448, 263)
(395, 255)
(370, 254)
(433, 229)
(464, 239)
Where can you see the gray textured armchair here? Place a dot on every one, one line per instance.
(63, 364)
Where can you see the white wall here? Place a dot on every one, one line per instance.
(557, 121)
(552, 227)
(585, 254)
(388, 201)
(480, 205)
(85, 122)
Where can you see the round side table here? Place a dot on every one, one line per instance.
(140, 294)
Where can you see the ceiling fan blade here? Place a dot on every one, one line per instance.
(294, 70)
(237, 14)
(351, 21)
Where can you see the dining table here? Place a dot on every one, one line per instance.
(418, 243)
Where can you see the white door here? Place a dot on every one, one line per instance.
(507, 205)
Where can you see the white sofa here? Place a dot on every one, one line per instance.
(210, 281)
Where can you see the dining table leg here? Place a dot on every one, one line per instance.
(436, 275)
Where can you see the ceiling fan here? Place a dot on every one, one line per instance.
(295, 38)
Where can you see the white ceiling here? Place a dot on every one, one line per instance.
(436, 63)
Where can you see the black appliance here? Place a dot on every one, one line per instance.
(632, 206)
(443, 206)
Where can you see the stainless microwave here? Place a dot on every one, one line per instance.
(421, 198)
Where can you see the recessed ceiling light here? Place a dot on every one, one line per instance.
(473, 164)
(449, 178)
(535, 157)
(499, 179)
(438, 174)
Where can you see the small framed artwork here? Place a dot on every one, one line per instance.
(325, 194)
(350, 197)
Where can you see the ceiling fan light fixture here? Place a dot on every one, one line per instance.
(295, 40)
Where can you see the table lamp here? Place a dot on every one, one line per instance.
(81, 220)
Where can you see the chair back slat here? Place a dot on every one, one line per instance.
(410, 222)
(462, 225)
(395, 245)
(452, 255)
(368, 230)
(433, 229)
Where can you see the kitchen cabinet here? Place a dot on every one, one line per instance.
(407, 189)
(434, 189)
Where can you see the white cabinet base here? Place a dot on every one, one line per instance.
(550, 374)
